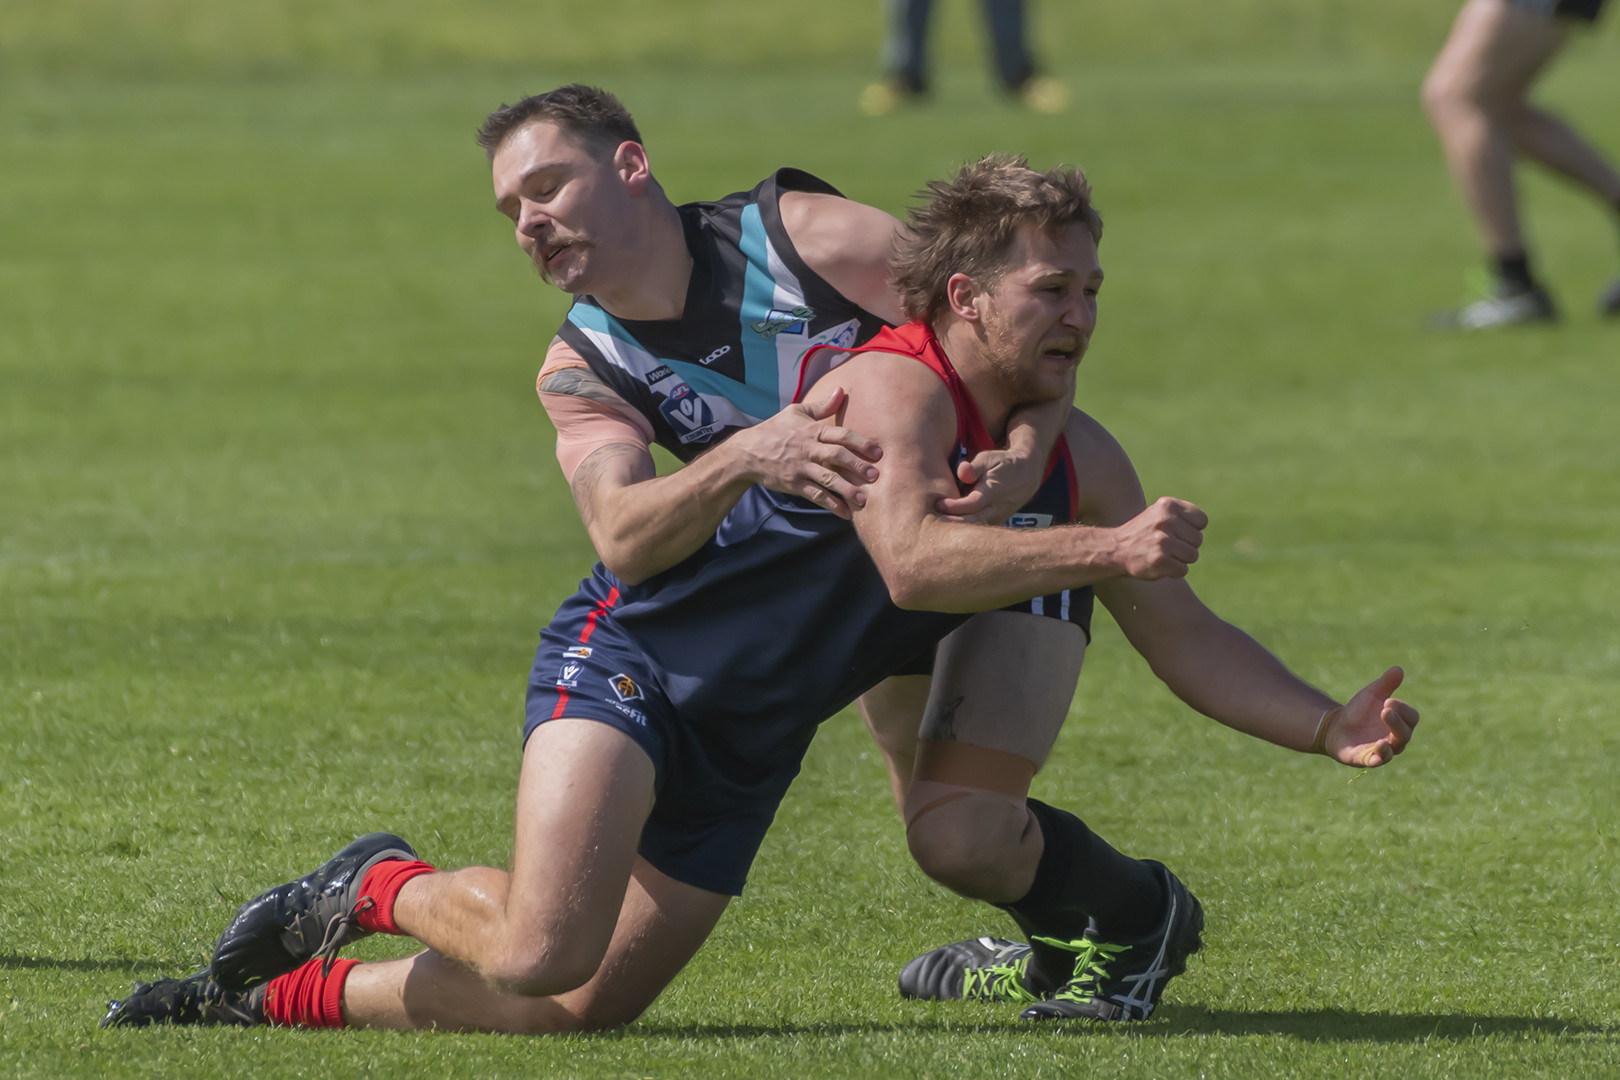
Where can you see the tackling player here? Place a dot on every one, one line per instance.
(691, 326)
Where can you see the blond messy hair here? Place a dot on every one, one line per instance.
(966, 225)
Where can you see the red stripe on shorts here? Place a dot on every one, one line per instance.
(562, 703)
(601, 606)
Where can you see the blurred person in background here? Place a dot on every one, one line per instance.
(1475, 95)
(905, 58)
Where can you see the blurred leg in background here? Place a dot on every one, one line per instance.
(1475, 95)
(905, 58)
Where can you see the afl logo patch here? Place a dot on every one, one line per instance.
(626, 689)
(688, 414)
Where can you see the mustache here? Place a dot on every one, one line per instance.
(538, 262)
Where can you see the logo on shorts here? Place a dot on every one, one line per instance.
(688, 414)
(625, 688)
(568, 677)
(1029, 521)
(784, 321)
(578, 652)
(635, 714)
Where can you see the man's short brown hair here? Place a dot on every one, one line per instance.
(592, 115)
(966, 225)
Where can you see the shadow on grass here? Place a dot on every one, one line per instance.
(1311, 1025)
(47, 963)
(1343, 1025)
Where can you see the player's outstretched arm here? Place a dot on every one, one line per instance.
(1227, 675)
(1217, 668)
(642, 524)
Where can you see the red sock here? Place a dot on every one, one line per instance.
(306, 998)
(381, 886)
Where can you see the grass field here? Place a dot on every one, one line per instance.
(279, 520)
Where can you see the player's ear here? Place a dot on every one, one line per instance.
(962, 294)
(630, 162)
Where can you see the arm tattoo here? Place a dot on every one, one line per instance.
(579, 382)
(588, 477)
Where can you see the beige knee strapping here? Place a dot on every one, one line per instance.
(947, 771)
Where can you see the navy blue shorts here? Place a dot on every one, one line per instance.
(711, 811)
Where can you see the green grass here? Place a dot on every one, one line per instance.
(278, 522)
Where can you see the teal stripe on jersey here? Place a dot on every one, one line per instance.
(758, 402)
(759, 297)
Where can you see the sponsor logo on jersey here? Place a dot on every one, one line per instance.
(717, 354)
(578, 652)
(657, 375)
(1029, 521)
(784, 321)
(625, 688)
(840, 337)
(688, 414)
(568, 677)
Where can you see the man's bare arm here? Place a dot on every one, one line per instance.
(642, 524)
(1214, 666)
(1228, 676)
(931, 563)
(848, 244)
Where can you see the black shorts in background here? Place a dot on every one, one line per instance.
(1584, 10)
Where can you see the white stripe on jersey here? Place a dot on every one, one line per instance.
(790, 348)
(787, 294)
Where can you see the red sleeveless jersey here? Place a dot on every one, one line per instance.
(917, 340)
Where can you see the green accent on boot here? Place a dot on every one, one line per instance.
(998, 982)
(1090, 958)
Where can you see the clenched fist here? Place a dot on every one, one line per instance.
(1162, 541)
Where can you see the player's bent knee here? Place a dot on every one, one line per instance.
(1456, 92)
(1444, 96)
(545, 973)
(966, 817)
(605, 1014)
(973, 844)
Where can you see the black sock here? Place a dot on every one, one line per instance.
(1080, 877)
(1513, 271)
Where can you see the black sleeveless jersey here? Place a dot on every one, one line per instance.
(753, 309)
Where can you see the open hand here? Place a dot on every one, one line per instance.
(799, 452)
(1372, 727)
